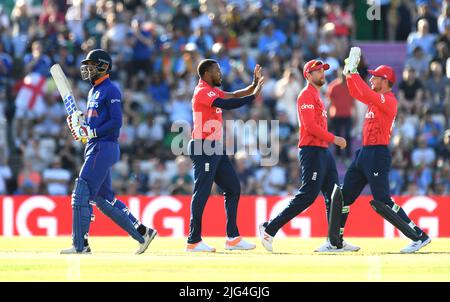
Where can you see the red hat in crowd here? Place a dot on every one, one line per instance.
(314, 65)
(384, 71)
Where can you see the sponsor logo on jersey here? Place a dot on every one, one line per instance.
(211, 94)
(306, 106)
(324, 113)
(115, 101)
(383, 100)
(370, 114)
(92, 104)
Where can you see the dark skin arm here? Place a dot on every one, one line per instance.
(249, 89)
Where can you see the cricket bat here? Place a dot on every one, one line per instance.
(65, 91)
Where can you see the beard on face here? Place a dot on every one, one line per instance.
(319, 82)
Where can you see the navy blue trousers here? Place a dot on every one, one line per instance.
(319, 173)
(209, 169)
(370, 166)
(99, 157)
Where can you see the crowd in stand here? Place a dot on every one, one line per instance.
(156, 46)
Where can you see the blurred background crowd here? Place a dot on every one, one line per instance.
(156, 46)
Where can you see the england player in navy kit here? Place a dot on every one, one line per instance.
(93, 186)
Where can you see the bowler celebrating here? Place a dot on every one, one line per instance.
(101, 129)
(207, 104)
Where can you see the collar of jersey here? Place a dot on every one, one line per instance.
(311, 87)
(100, 80)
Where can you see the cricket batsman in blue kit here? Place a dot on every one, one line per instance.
(93, 186)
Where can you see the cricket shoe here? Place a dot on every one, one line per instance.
(347, 247)
(72, 250)
(416, 245)
(266, 239)
(239, 244)
(199, 247)
(149, 235)
(327, 247)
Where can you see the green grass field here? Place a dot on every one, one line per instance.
(38, 259)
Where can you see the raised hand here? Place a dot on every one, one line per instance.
(352, 62)
(258, 87)
(257, 74)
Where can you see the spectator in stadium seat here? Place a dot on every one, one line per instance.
(143, 48)
(430, 130)
(271, 39)
(443, 148)
(410, 93)
(37, 61)
(419, 62)
(404, 13)
(5, 172)
(181, 183)
(326, 57)
(423, 155)
(93, 25)
(245, 173)
(445, 36)
(341, 111)
(437, 89)
(286, 92)
(405, 130)
(56, 178)
(6, 64)
(202, 39)
(424, 13)
(29, 180)
(180, 19)
(444, 17)
(423, 38)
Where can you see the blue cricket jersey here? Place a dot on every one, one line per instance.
(104, 110)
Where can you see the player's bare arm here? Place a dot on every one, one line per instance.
(257, 76)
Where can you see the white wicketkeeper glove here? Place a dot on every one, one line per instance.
(78, 127)
(352, 62)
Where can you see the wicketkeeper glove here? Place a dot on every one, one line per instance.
(352, 62)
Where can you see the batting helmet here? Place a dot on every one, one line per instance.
(100, 62)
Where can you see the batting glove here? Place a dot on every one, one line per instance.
(83, 132)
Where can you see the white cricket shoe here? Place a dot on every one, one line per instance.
(415, 246)
(266, 239)
(72, 250)
(328, 248)
(239, 244)
(199, 247)
(149, 235)
(347, 247)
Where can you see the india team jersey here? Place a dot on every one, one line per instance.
(380, 115)
(207, 118)
(104, 110)
(312, 118)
